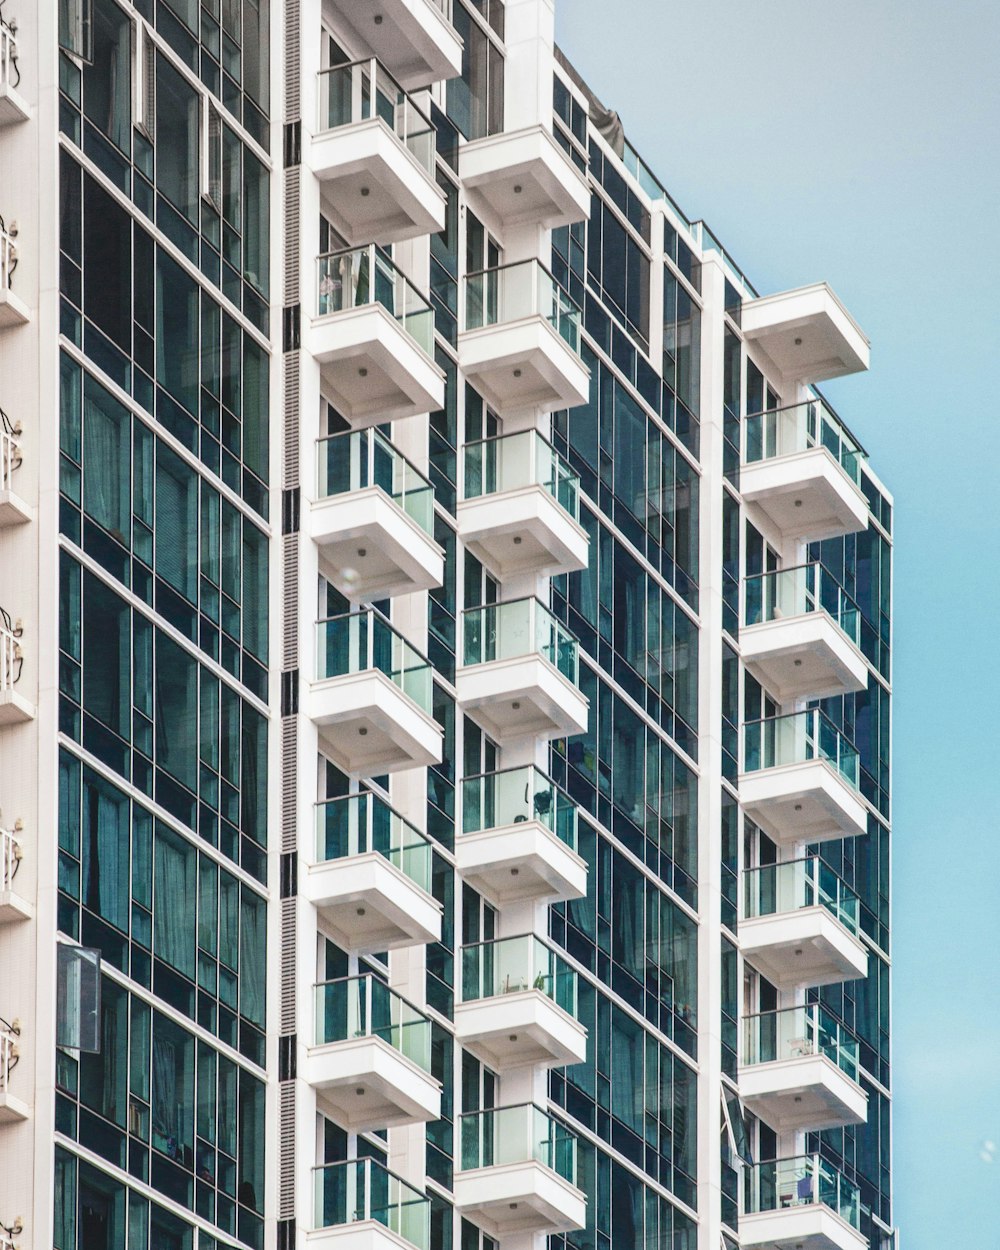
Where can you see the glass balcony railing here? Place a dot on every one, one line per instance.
(357, 459)
(796, 739)
(8, 257)
(9, 1053)
(359, 823)
(364, 1006)
(514, 461)
(361, 90)
(523, 289)
(360, 276)
(11, 659)
(516, 795)
(10, 75)
(806, 1180)
(798, 591)
(359, 641)
(775, 889)
(517, 1135)
(795, 1032)
(10, 857)
(786, 431)
(10, 452)
(514, 965)
(507, 631)
(362, 1189)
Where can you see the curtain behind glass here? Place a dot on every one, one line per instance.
(105, 851)
(174, 862)
(107, 454)
(107, 88)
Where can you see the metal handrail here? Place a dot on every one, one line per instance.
(8, 49)
(10, 651)
(10, 855)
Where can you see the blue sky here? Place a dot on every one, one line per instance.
(859, 141)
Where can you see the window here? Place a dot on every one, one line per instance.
(78, 997)
(107, 87)
(76, 28)
(475, 100)
(177, 126)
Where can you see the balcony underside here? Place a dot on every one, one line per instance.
(368, 726)
(807, 1093)
(524, 177)
(806, 495)
(372, 370)
(372, 188)
(808, 334)
(803, 657)
(366, 903)
(13, 907)
(413, 40)
(13, 310)
(515, 1198)
(798, 1227)
(524, 364)
(13, 1110)
(13, 106)
(805, 947)
(370, 549)
(364, 1084)
(358, 1235)
(523, 531)
(519, 697)
(513, 863)
(519, 1028)
(807, 802)
(13, 509)
(15, 708)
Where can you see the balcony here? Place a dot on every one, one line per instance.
(519, 838)
(13, 310)
(521, 343)
(801, 635)
(373, 336)
(807, 333)
(13, 509)
(371, 1058)
(800, 925)
(519, 1005)
(361, 1205)
(520, 672)
(372, 697)
(12, 1109)
(803, 470)
(373, 519)
(374, 155)
(13, 905)
(800, 779)
(799, 1070)
(414, 38)
(371, 879)
(14, 707)
(518, 1173)
(801, 1203)
(524, 177)
(521, 510)
(13, 106)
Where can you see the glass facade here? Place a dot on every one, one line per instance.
(164, 215)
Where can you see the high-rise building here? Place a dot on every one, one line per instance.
(444, 662)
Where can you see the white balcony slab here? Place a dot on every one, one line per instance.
(803, 657)
(365, 1084)
(14, 907)
(522, 696)
(523, 531)
(808, 334)
(522, 1197)
(524, 176)
(524, 364)
(13, 310)
(368, 726)
(358, 1235)
(13, 106)
(15, 708)
(523, 1027)
(512, 863)
(799, 1227)
(372, 187)
(805, 947)
(367, 904)
(806, 495)
(369, 548)
(414, 39)
(372, 370)
(807, 802)
(806, 1093)
(13, 509)
(13, 1110)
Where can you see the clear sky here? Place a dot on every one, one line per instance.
(858, 141)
